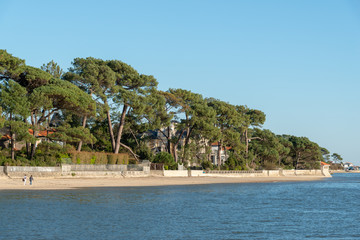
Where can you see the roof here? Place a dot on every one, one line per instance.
(324, 164)
(42, 133)
(217, 144)
(5, 137)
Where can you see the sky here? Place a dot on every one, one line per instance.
(297, 61)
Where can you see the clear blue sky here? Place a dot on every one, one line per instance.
(298, 61)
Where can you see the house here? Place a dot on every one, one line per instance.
(348, 166)
(41, 136)
(223, 154)
(158, 142)
(158, 139)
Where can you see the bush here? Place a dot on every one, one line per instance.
(235, 162)
(144, 152)
(99, 158)
(167, 159)
(270, 166)
(207, 165)
(47, 154)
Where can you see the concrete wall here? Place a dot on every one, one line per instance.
(224, 173)
(78, 170)
(109, 170)
(308, 172)
(93, 167)
(157, 173)
(273, 173)
(143, 170)
(265, 173)
(288, 172)
(19, 172)
(197, 173)
(254, 174)
(176, 173)
(325, 170)
(313, 172)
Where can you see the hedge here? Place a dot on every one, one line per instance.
(99, 158)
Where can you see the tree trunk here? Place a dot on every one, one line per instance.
(12, 145)
(187, 140)
(137, 142)
(168, 137)
(297, 160)
(32, 153)
(35, 127)
(219, 153)
(132, 153)
(279, 161)
(27, 144)
(121, 127)
(83, 125)
(175, 152)
(111, 132)
(12, 136)
(247, 144)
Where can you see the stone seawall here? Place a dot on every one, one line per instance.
(143, 170)
(324, 172)
(19, 171)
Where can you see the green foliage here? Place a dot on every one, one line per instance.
(235, 162)
(69, 134)
(228, 122)
(195, 116)
(92, 160)
(64, 95)
(4, 160)
(53, 68)
(9, 65)
(99, 158)
(119, 104)
(48, 154)
(305, 153)
(2, 118)
(13, 99)
(167, 159)
(144, 152)
(207, 165)
(336, 157)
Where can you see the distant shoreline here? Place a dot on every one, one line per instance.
(81, 183)
(343, 171)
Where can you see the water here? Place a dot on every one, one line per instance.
(327, 209)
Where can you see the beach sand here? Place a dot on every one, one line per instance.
(75, 183)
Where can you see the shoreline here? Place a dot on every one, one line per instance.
(81, 183)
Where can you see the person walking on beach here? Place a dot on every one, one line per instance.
(31, 179)
(24, 179)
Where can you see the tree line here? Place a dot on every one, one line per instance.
(107, 105)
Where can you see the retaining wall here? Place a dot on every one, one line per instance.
(313, 172)
(157, 173)
(176, 173)
(19, 171)
(109, 170)
(143, 170)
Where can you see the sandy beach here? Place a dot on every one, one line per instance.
(75, 183)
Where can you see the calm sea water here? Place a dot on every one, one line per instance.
(327, 209)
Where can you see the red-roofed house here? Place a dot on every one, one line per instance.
(5, 138)
(223, 154)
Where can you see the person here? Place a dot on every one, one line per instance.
(31, 179)
(24, 179)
